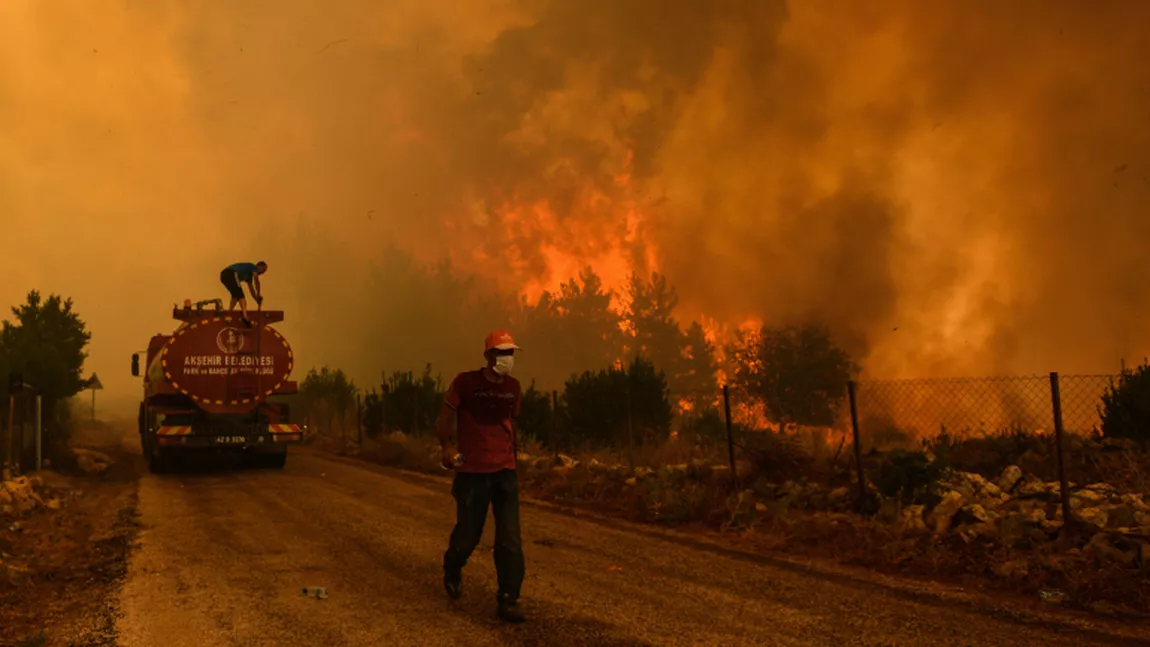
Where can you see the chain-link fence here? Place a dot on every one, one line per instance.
(979, 425)
(1040, 424)
(1082, 399)
(21, 438)
(897, 413)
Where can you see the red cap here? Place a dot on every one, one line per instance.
(499, 340)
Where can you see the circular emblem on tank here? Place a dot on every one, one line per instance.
(230, 341)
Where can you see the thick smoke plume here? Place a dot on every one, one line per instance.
(954, 187)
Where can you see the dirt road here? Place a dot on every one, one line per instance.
(223, 557)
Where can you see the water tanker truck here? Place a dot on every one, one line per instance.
(217, 383)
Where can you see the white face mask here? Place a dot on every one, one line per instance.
(504, 364)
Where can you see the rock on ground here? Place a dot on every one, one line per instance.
(92, 463)
(943, 513)
(1010, 477)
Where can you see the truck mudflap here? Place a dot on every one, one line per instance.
(268, 435)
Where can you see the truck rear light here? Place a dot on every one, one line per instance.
(287, 438)
(171, 440)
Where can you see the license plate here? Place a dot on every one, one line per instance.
(231, 440)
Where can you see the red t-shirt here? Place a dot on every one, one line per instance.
(484, 411)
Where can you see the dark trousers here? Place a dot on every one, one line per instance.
(474, 493)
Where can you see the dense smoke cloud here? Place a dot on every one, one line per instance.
(954, 187)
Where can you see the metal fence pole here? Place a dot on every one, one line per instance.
(39, 432)
(630, 429)
(730, 434)
(853, 398)
(8, 462)
(1056, 401)
(359, 419)
(555, 426)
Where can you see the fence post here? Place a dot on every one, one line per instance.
(416, 419)
(9, 446)
(359, 419)
(853, 398)
(730, 434)
(630, 429)
(8, 463)
(1059, 432)
(555, 426)
(384, 401)
(39, 432)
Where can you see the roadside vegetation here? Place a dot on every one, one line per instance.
(65, 532)
(637, 428)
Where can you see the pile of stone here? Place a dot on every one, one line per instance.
(91, 462)
(23, 495)
(1022, 510)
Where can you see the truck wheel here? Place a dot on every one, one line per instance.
(158, 463)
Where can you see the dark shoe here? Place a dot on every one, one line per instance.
(453, 583)
(509, 610)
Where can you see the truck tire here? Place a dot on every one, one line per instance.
(158, 462)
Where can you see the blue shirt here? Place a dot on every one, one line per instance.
(245, 270)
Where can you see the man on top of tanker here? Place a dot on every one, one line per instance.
(249, 273)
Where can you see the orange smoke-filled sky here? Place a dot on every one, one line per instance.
(955, 187)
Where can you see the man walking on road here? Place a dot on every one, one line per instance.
(479, 407)
(249, 273)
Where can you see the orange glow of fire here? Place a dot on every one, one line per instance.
(752, 416)
(544, 248)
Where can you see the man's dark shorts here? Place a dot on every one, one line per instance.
(228, 278)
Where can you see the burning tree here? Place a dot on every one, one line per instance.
(688, 359)
(798, 373)
(572, 331)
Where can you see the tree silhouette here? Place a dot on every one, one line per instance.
(572, 331)
(797, 371)
(46, 345)
(655, 331)
(329, 393)
(697, 368)
(599, 405)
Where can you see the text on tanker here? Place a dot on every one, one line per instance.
(228, 365)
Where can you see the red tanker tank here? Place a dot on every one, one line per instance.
(224, 366)
(214, 382)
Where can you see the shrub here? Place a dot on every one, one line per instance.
(412, 404)
(372, 414)
(777, 455)
(910, 477)
(707, 425)
(535, 419)
(798, 373)
(989, 454)
(599, 406)
(1125, 409)
(676, 500)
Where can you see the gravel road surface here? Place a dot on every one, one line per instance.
(223, 557)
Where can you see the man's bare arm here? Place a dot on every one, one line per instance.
(256, 287)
